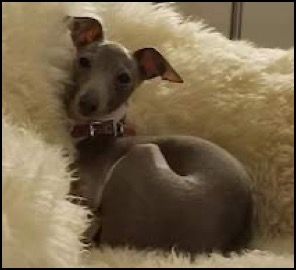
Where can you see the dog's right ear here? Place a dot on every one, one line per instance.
(152, 64)
(85, 30)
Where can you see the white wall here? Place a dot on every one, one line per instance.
(267, 24)
(270, 24)
(216, 14)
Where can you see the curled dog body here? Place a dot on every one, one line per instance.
(168, 192)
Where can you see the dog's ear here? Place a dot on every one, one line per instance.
(152, 64)
(85, 30)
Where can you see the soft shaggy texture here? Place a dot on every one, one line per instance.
(38, 225)
(236, 95)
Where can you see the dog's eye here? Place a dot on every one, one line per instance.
(84, 62)
(124, 78)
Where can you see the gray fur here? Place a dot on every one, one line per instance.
(108, 61)
(153, 192)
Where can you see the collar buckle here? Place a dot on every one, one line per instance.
(108, 128)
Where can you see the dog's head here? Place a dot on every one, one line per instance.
(106, 74)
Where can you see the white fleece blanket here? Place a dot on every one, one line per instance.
(235, 94)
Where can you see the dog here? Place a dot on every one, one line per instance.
(178, 192)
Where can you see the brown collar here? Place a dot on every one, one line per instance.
(102, 128)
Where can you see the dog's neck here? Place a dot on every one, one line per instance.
(110, 125)
(116, 116)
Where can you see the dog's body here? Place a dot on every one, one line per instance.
(153, 192)
(165, 192)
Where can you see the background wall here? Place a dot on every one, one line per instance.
(267, 24)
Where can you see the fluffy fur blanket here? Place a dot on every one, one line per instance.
(235, 94)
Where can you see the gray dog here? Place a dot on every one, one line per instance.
(147, 192)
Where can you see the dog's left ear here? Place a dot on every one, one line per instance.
(152, 64)
(85, 30)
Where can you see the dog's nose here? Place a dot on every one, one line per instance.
(87, 104)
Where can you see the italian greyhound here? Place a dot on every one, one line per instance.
(176, 192)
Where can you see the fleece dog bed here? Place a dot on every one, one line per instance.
(236, 95)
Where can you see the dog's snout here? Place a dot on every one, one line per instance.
(88, 104)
